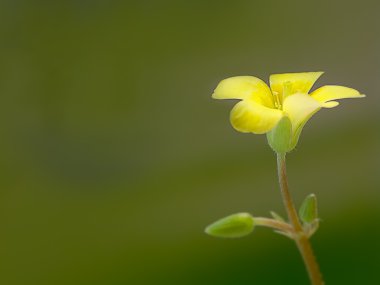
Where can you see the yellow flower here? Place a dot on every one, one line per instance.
(261, 108)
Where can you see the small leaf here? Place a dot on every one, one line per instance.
(233, 226)
(277, 217)
(308, 211)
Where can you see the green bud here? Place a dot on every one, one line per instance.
(280, 137)
(308, 211)
(233, 226)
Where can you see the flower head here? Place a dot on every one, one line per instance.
(261, 107)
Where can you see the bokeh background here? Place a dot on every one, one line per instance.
(114, 158)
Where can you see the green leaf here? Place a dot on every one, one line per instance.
(233, 226)
(308, 211)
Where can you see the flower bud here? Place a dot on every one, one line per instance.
(233, 226)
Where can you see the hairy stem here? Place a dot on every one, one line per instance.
(300, 236)
(274, 224)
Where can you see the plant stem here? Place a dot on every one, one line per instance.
(271, 223)
(301, 238)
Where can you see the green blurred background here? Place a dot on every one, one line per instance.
(114, 158)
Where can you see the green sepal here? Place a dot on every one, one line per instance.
(280, 137)
(308, 211)
(233, 226)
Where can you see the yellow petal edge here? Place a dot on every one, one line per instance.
(244, 88)
(250, 117)
(334, 92)
(300, 82)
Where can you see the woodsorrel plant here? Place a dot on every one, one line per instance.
(280, 111)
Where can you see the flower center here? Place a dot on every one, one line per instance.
(277, 100)
(279, 97)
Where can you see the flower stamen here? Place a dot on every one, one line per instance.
(277, 100)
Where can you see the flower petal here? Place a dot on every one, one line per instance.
(300, 82)
(244, 87)
(251, 117)
(330, 104)
(333, 92)
(299, 108)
